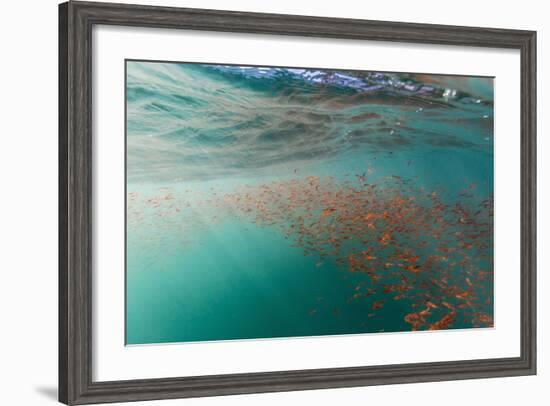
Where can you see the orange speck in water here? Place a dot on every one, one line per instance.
(385, 239)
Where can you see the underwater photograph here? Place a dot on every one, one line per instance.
(278, 202)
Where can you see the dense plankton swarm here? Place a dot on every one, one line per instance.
(410, 244)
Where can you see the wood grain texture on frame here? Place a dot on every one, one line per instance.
(76, 20)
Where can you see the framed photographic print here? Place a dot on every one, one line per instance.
(257, 202)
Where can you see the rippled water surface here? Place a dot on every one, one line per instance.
(276, 202)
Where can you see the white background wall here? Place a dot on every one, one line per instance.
(28, 200)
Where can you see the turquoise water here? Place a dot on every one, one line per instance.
(267, 202)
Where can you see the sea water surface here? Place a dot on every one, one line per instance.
(274, 202)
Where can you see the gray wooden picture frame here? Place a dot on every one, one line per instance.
(76, 20)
